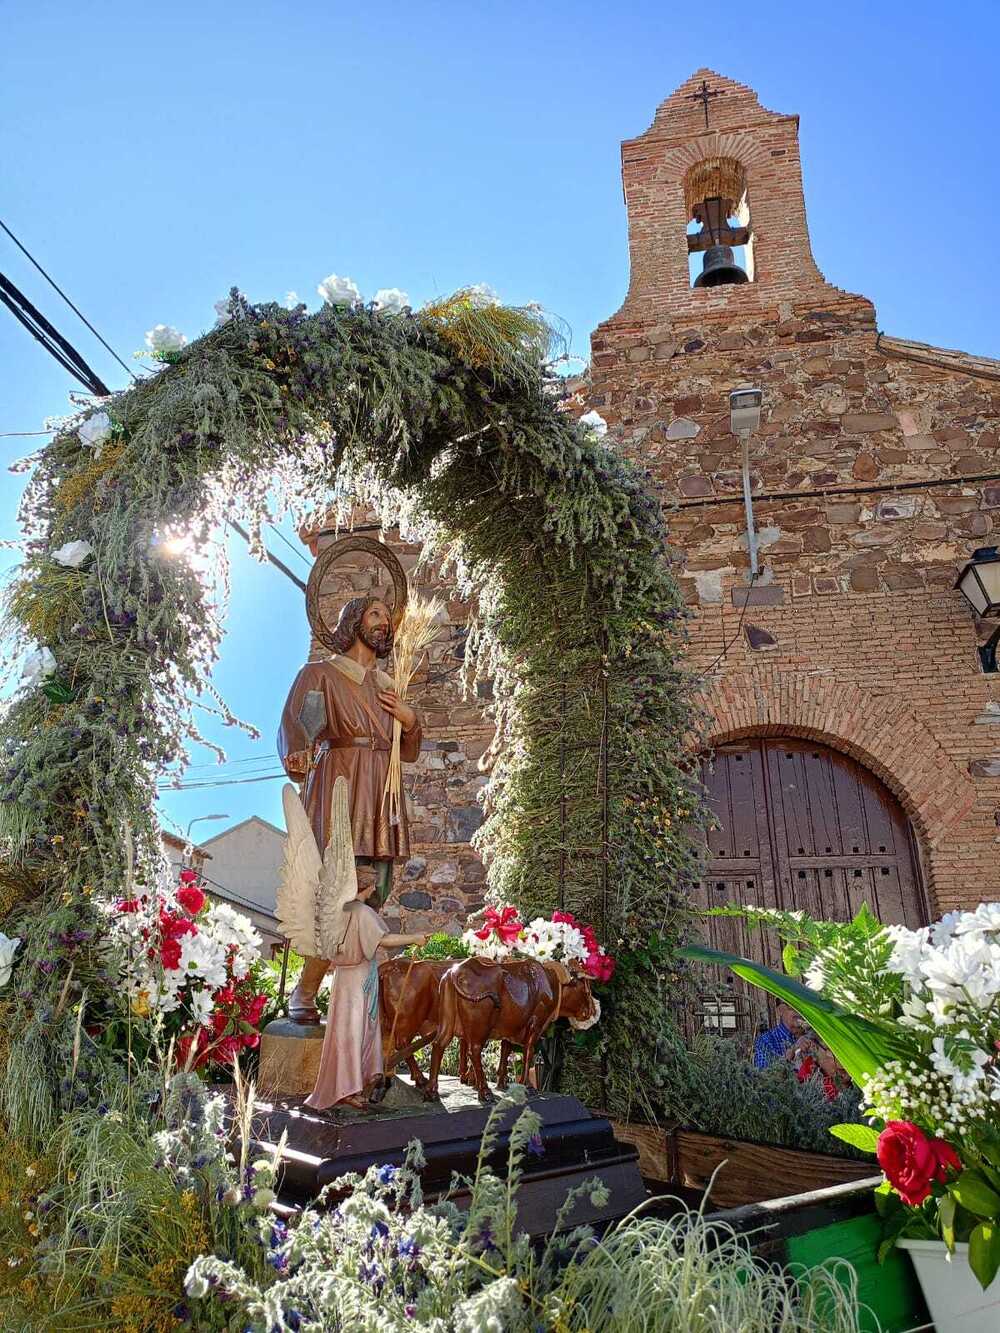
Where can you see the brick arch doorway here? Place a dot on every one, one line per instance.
(800, 825)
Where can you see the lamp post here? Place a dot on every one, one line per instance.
(979, 584)
(199, 819)
(744, 418)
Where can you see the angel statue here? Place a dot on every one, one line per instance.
(336, 740)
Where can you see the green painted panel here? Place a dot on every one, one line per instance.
(890, 1290)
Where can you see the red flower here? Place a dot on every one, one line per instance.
(127, 905)
(568, 917)
(507, 924)
(947, 1159)
(191, 898)
(253, 1011)
(170, 953)
(188, 877)
(251, 1040)
(225, 995)
(172, 926)
(911, 1160)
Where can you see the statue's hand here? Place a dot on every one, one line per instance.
(393, 704)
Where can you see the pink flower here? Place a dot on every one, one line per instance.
(507, 924)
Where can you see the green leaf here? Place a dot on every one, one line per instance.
(972, 1192)
(984, 1252)
(946, 1214)
(992, 1175)
(790, 960)
(858, 1136)
(860, 1046)
(866, 920)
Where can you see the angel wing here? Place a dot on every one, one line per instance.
(298, 890)
(338, 880)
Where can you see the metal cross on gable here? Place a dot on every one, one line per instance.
(704, 96)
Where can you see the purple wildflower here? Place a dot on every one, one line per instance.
(536, 1146)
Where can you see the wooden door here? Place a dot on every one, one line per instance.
(799, 826)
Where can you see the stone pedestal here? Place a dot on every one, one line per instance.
(289, 1058)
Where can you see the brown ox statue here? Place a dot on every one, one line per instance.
(408, 1010)
(513, 1002)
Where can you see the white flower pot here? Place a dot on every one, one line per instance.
(954, 1297)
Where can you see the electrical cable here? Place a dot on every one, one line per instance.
(228, 782)
(52, 283)
(726, 646)
(294, 549)
(50, 338)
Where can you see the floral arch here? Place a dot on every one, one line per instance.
(446, 421)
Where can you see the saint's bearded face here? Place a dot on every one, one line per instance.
(375, 630)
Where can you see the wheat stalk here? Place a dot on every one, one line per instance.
(417, 630)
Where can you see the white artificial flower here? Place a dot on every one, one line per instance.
(8, 948)
(594, 423)
(228, 927)
(482, 294)
(963, 969)
(492, 947)
(202, 1007)
(73, 554)
(908, 948)
(94, 431)
(37, 666)
(390, 300)
(165, 338)
(985, 918)
(339, 291)
(202, 957)
(943, 930)
(964, 1076)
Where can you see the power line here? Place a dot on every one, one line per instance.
(294, 549)
(51, 339)
(224, 782)
(76, 310)
(278, 564)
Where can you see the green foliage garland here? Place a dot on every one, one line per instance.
(447, 422)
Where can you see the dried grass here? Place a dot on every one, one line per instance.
(417, 631)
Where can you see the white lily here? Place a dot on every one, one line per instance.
(94, 431)
(73, 554)
(339, 291)
(8, 948)
(595, 424)
(37, 666)
(390, 300)
(164, 338)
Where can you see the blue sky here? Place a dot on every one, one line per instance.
(156, 155)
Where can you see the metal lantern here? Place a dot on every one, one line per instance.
(979, 584)
(979, 581)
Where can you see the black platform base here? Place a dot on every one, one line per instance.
(575, 1146)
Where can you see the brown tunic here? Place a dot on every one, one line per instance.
(330, 705)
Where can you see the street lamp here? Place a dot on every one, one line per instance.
(197, 820)
(979, 584)
(744, 418)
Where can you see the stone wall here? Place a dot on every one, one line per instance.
(874, 475)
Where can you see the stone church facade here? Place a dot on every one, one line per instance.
(850, 658)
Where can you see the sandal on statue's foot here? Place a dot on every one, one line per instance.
(305, 1014)
(358, 1103)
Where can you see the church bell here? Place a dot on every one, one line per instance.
(719, 268)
